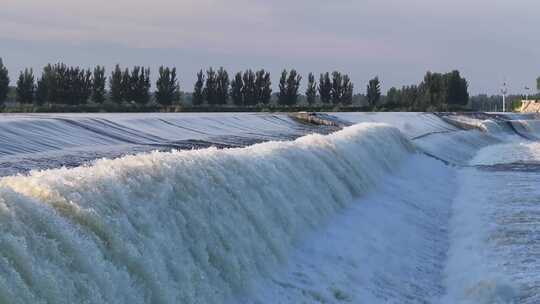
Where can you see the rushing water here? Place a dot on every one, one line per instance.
(414, 210)
(496, 236)
(46, 141)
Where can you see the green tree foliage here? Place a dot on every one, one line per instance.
(435, 93)
(237, 87)
(198, 90)
(373, 93)
(26, 87)
(337, 88)
(98, 84)
(311, 91)
(47, 90)
(434, 90)
(402, 99)
(492, 103)
(41, 91)
(116, 87)
(325, 88)
(130, 86)
(263, 87)
(75, 84)
(282, 95)
(411, 97)
(347, 90)
(341, 88)
(139, 85)
(167, 87)
(456, 89)
(440, 90)
(249, 91)
(210, 90)
(86, 84)
(289, 85)
(64, 85)
(223, 84)
(393, 96)
(4, 82)
(125, 85)
(538, 84)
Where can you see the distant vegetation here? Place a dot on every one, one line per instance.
(493, 103)
(63, 88)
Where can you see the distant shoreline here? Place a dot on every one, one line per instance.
(154, 108)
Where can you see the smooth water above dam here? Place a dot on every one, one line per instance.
(265, 208)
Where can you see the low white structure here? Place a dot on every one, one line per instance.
(529, 106)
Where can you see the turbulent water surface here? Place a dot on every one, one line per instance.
(261, 208)
(52, 140)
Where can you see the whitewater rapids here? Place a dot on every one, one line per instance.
(397, 208)
(180, 227)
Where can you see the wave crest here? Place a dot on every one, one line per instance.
(179, 227)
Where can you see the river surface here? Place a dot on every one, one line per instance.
(262, 208)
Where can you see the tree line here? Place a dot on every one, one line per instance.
(72, 85)
(435, 93)
(249, 88)
(68, 85)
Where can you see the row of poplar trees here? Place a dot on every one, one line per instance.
(68, 85)
(255, 87)
(62, 84)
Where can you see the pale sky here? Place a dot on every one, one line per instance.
(398, 40)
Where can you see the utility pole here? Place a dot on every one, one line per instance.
(504, 90)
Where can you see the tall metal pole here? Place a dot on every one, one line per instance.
(504, 91)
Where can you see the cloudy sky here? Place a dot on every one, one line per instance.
(398, 40)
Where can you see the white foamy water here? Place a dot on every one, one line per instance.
(24, 134)
(45, 141)
(181, 227)
(422, 212)
(388, 247)
(493, 256)
(505, 153)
